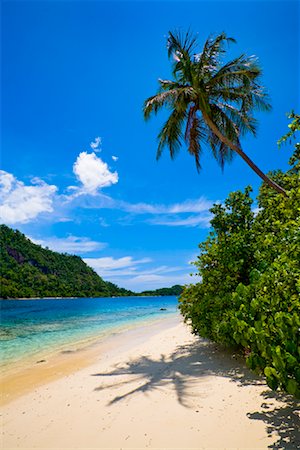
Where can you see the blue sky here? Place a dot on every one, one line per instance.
(78, 168)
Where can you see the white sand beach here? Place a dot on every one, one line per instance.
(159, 387)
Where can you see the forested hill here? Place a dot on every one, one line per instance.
(29, 270)
(174, 290)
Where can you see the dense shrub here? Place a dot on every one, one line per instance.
(249, 294)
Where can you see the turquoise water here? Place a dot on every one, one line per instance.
(35, 328)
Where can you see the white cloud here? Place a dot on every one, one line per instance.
(109, 266)
(64, 219)
(150, 282)
(102, 222)
(95, 145)
(21, 203)
(70, 244)
(191, 206)
(188, 206)
(93, 173)
(173, 215)
(6, 182)
(256, 210)
(162, 214)
(191, 221)
(138, 274)
(114, 158)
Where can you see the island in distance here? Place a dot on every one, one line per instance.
(28, 270)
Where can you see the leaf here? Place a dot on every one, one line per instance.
(291, 386)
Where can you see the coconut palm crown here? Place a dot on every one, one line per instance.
(210, 103)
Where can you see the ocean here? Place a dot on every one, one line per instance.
(33, 329)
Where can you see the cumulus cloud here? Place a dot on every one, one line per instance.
(93, 173)
(6, 182)
(70, 244)
(22, 203)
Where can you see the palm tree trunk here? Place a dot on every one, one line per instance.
(246, 158)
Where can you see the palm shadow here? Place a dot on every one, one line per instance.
(199, 360)
(186, 365)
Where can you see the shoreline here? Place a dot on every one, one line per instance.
(60, 330)
(72, 298)
(156, 387)
(22, 376)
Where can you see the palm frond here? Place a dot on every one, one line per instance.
(237, 82)
(171, 133)
(180, 47)
(179, 43)
(195, 133)
(227, 127)
(221, 152)
(260, 99)
(208, 60)
(234, 71)
(243, 122)
(166, 85)
(190, 117)
(225, 124)
(156, 102)
(177, 98)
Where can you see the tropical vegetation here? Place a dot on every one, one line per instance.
(249, 293)
(209, 102)
(28, 270)
(174, 290)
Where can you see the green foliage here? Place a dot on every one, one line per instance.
(174, 290)
(294, 126)
(28, 270)
(249, 296)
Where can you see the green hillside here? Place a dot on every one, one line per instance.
(174, 290)
(28, 270)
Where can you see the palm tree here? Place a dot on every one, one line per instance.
(210, 103)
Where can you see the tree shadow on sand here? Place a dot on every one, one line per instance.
(199, 360)
(188, 362)
(285, 419)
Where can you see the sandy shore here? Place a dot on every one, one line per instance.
(156, 388)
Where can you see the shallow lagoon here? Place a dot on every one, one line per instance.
(36, 328)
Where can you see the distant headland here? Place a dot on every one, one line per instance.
(28, 270)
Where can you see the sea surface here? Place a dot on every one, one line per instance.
(36, 328)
